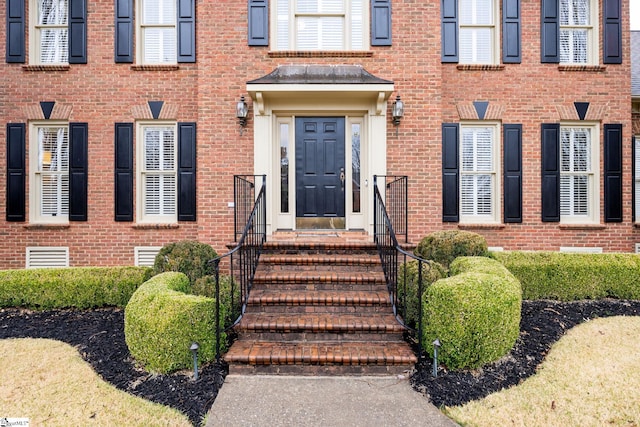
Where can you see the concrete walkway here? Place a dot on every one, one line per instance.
(322, 401)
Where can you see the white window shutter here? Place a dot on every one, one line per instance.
(53, 171)
(477, 171)
(159, 175)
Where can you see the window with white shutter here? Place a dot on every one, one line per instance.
(479, 148)
(329, 25)
(50, 40)
(578, 180)
(157, 36)
(49, 164)
(577, 22)
(157, 176)
(477, 25)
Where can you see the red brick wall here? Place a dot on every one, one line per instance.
(102, 93)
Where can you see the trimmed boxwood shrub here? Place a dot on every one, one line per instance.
(162, 320)
(77, 287)
(206, 286)
(408, 286)
(475, 314)
(446, 245)
(572, 276)
(187, 256)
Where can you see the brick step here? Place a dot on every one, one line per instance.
(326, 248)
(319, 323)
(319, 336)
(316, 262)
(321, 279)
(357, 357)
(300, 301)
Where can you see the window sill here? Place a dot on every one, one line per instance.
(171, 226)
(487, 226)
(155, 67)
(320, 54)
(480, 67)
(588, 68)
(582, 227)
(45, 67)
(61, 226)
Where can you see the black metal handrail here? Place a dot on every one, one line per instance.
(241, 261)
(393, 257)
(244, 198)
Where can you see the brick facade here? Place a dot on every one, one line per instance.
(102, 93)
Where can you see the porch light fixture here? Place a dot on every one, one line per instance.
(397, 111)
(241, 113)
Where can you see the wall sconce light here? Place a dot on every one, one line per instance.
(397, 111)
(241, 113)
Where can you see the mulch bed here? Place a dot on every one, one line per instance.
(99, 337)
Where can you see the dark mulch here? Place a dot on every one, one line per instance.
(99, 337)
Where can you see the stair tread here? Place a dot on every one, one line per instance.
(304, 297)
(320, 322)
(355, 259)
(289, 276)
(326, 352)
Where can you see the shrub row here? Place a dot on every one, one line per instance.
(445, 246)
(475, 313)
(162, 320)
(568, 277)
(79, 287)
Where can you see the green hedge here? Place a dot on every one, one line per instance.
(446, 245)
(78, 287)
(571, 276)
(475, 314)
(186, 256)
(408, 287)
(162, 321)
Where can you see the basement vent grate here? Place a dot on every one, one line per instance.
(145, 256)
(47, 257)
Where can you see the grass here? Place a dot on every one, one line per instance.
(591, 377)
(48, 382)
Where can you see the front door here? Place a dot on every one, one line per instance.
(320, 172)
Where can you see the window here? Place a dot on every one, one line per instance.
(478, 32)
(576, 31)
(51, 32)
(307, 25)
(578, 193)
(478, 173)
(50, 173)
(157, 180)
(157, 31)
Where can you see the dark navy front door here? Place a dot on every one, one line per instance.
(320, 171)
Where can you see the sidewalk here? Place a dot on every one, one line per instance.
(322, 401)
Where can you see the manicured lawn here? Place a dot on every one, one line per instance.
(591, 377)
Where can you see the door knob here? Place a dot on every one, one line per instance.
(342, 175)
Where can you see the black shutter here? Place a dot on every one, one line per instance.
(16, 172)
(258, 23)
(124, 31)
(77, 31)
(450, 172)
(613, 173)
(186, 171)
(511, 51)
(612, 32)
(124, 172)
(15, 31)
(550, 172)
(78, 159)
(633, 178)
(449, 16)
(549, 32)
(380, 22)
(186, 30)
(512, 140)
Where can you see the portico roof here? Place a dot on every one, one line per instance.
(319, 74)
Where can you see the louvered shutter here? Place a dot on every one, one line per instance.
(550, 190)
(475, 31)
(612, 32)
(77, 31)
(613, 173)
(549, 32)
(449, 22)
(512, 140)
(380, 22)
(511, 32)
(124, 31)
(124, 172)
(186, 171)
(78, 164)
(186, 31)
(15, 31)
(16, 172)
(258, 31)
(450, 172)
(159, 32)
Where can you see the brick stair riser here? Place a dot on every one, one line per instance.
(311, 336)
(337, 309)
(329, 268)
(319, 370)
